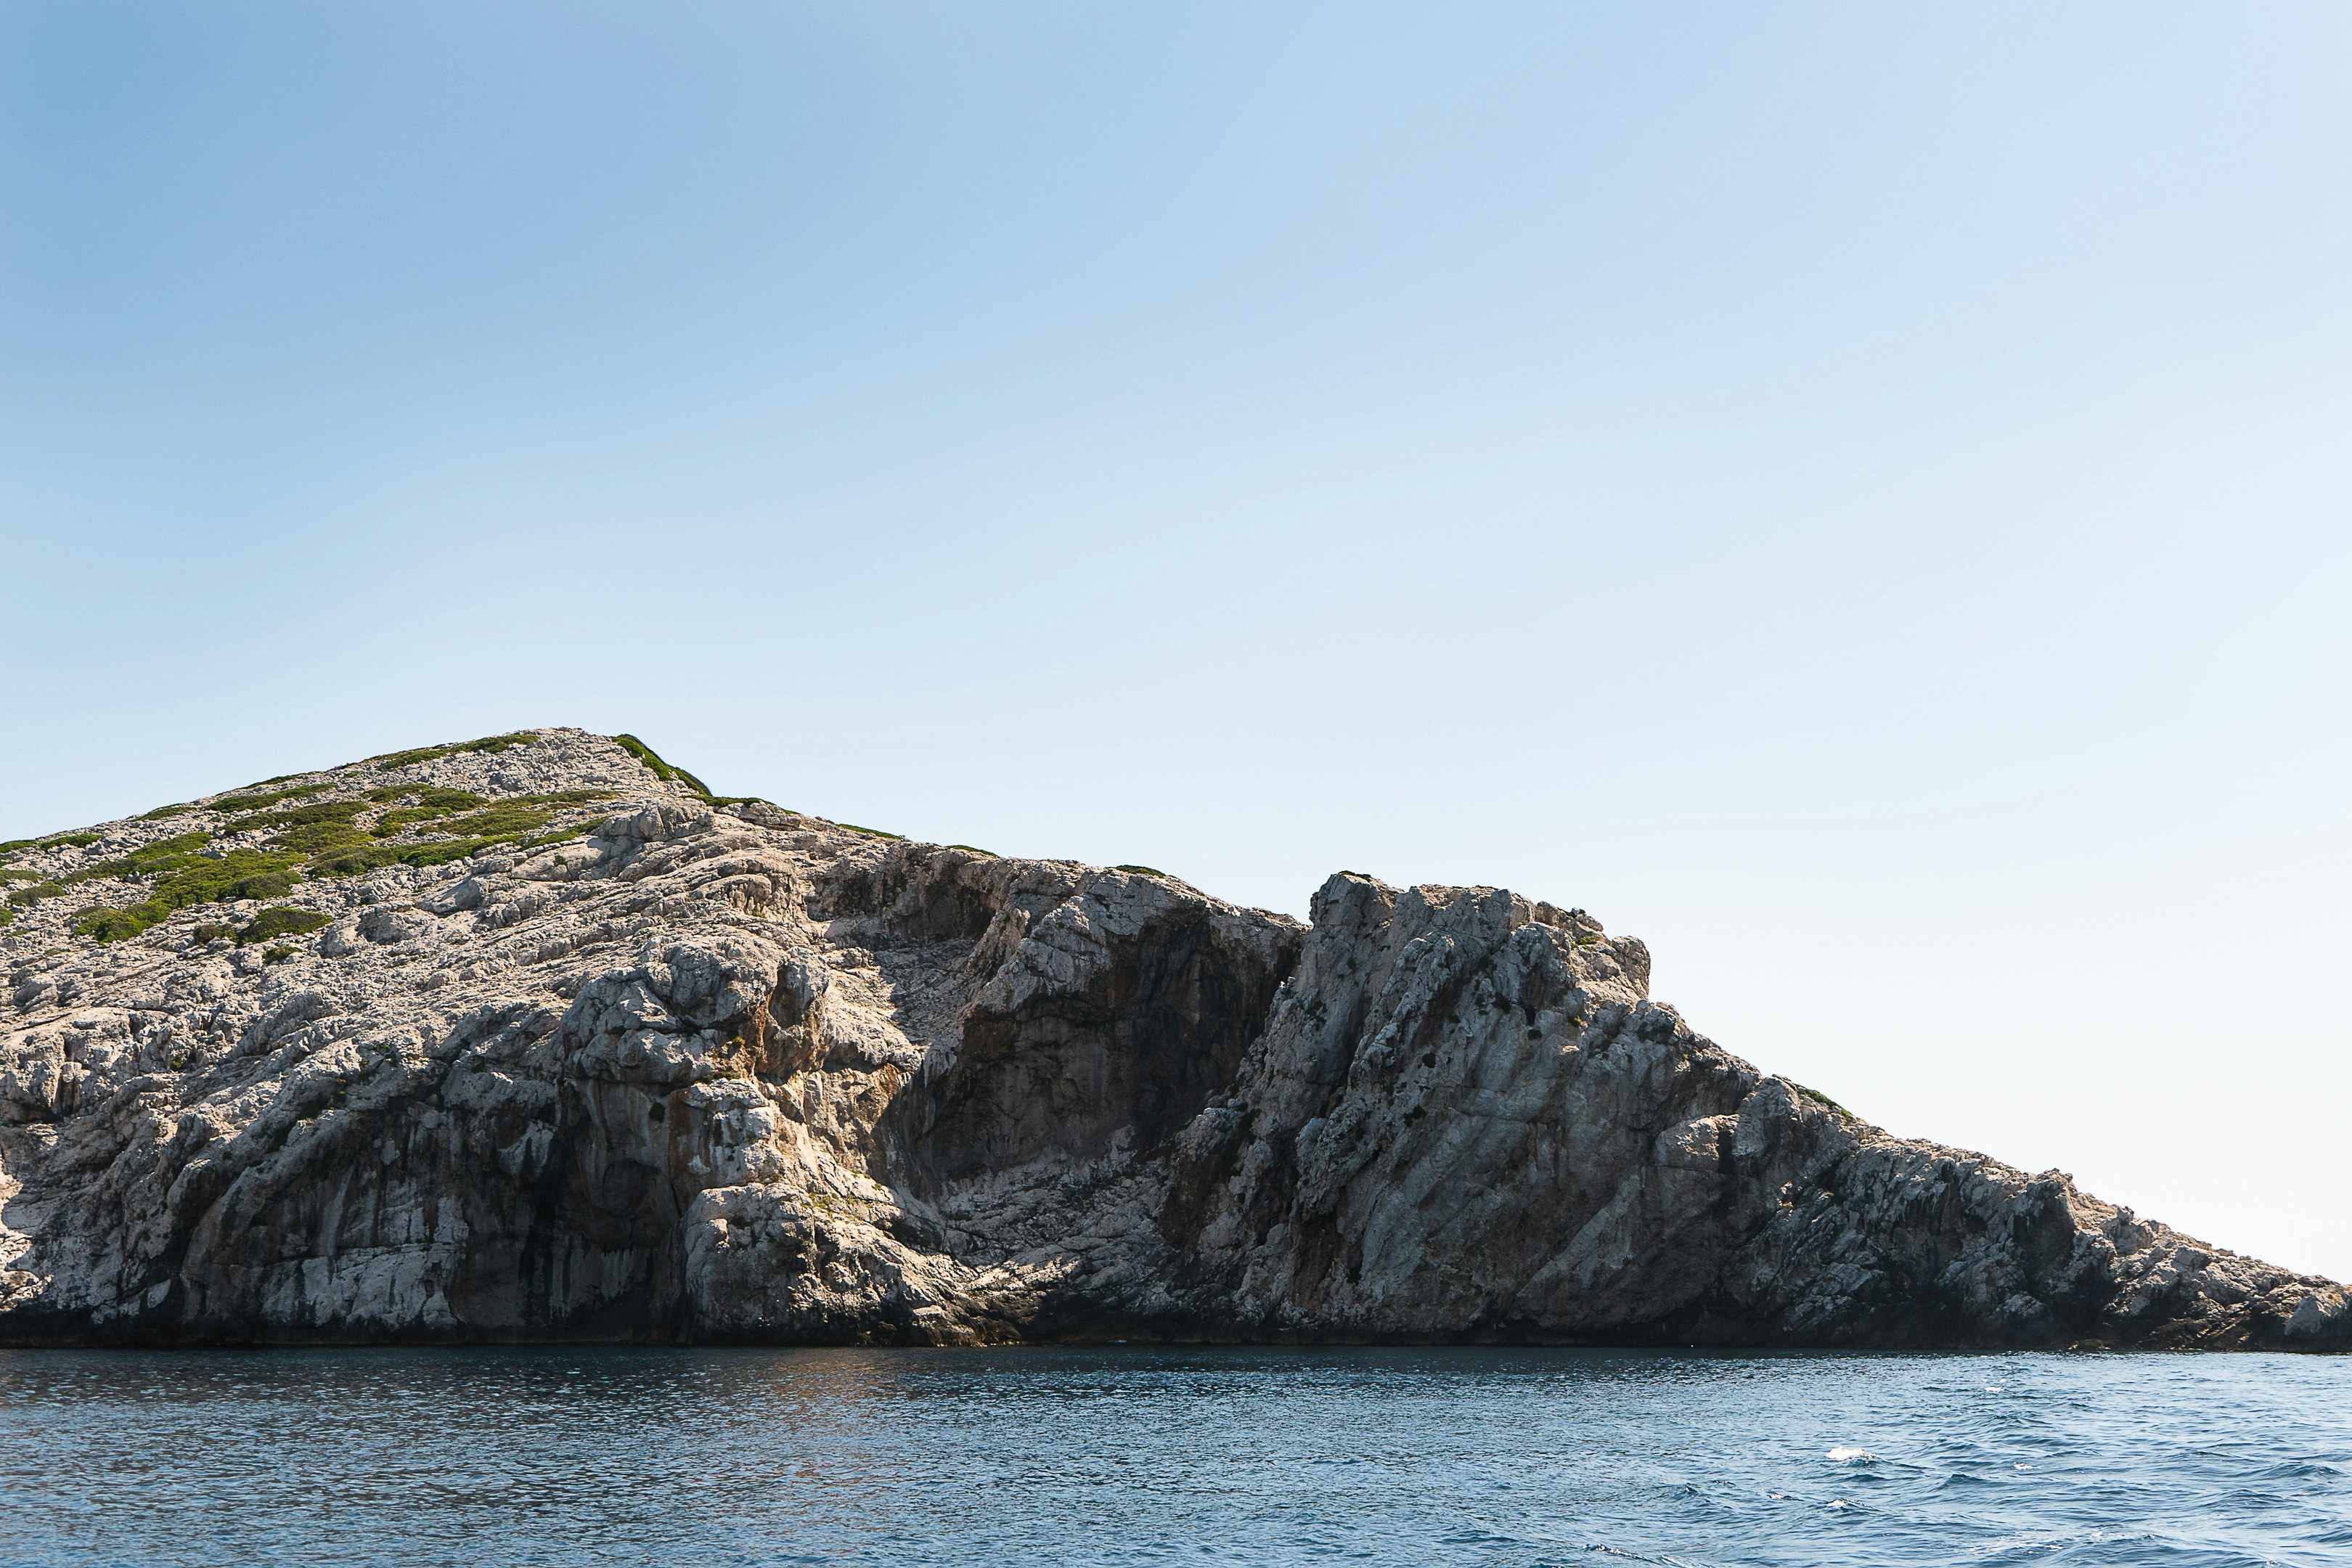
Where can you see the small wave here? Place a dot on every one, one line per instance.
(1845, 1456)
(2298, 1469)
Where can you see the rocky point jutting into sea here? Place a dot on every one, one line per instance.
(533, 1039)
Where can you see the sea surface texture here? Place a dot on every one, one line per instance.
(1146, 1456)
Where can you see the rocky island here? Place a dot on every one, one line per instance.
(533, 1037)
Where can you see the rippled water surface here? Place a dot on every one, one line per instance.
(1120, 1456)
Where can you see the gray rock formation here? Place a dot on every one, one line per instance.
(538, 1041)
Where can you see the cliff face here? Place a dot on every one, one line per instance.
(534, 1040)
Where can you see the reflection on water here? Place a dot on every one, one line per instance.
(1133, 1455)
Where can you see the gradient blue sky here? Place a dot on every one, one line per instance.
(1855, 495)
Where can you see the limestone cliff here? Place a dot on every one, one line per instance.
(532, 1039)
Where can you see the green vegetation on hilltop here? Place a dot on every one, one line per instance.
(487, 743)
(1143, 871)
(319, 837)
(666, 771)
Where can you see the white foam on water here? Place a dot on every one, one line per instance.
(1845, 1456)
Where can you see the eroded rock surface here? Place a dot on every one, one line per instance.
(666, 1069)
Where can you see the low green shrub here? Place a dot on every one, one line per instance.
(976, 849)
(343, 811)
(487, 743)
(279, 922)
(355, 862)
(1816, 1096)
(441, 854)
(276, 954)
(109, 925)
(164, 811)
(181, 880)
(436, 797)
(358, 862)
(870, 832)
(148, 858)
(71, 840)
(251, 802)
(1143, 870)
(436, 804)
(669, 772)
(503, 820)
(214, 932)
(317, 837)
(20, 897)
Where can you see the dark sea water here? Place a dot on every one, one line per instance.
(1153, 1456)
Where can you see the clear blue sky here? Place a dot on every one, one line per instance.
(1856, 495)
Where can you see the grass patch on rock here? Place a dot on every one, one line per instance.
(1143, 871)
